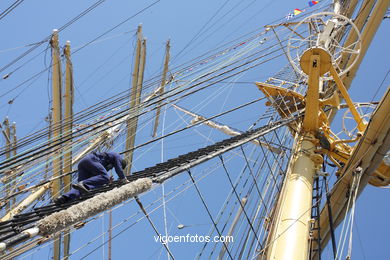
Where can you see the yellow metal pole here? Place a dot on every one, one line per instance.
(161, 90)
(56, 126)
(67, 130)
(310, 121)
(290, 232)
(289, 239)
(359, 120)
(133, 97)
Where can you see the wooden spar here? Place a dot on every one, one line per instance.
(7, 135)
(68, 116)
(370, 29)
(14, 147)
(139, 65)
(360, 20)
(133, 97)
(141, 73)
(351, 8)
(162, 87)
(225, 129)
(26, 202)
(56, 126)
(47, 164)
(67, 130)
(13, 138)
(56, 108)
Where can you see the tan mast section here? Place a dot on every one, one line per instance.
(162, 87)
(7, 135)
(56, 109)
(67, 130)
(368, 19)
(14, 151)
(56, 127)
(139, 66)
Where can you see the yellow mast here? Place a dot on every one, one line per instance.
(161, 89)
(7, 135)
(138, 70)
(67, 130)
(289, 237)
(14, 144)
(56, 125)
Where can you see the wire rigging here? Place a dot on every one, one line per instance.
(208, 211)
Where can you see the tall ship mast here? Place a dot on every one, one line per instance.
(257, 147)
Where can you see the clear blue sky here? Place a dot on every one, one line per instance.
(103, 69)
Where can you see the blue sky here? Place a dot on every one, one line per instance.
(103, 69)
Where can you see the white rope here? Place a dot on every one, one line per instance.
(163, 184)
(353, 214)
(347, 221)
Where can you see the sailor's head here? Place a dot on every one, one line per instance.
(123, 163)
(110, 166)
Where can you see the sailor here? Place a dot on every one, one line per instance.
(92, 174)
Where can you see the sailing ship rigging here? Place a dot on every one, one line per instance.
(269, 166)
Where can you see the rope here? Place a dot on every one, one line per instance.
(208, 212)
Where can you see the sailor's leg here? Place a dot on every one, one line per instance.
(96, 181)
(72, 194)
(90, 166)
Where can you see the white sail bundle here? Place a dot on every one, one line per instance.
(66, 218)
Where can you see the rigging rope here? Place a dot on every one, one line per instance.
(208, 212)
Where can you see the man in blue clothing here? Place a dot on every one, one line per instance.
(92, 174)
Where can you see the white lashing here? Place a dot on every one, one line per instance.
(88, 208)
